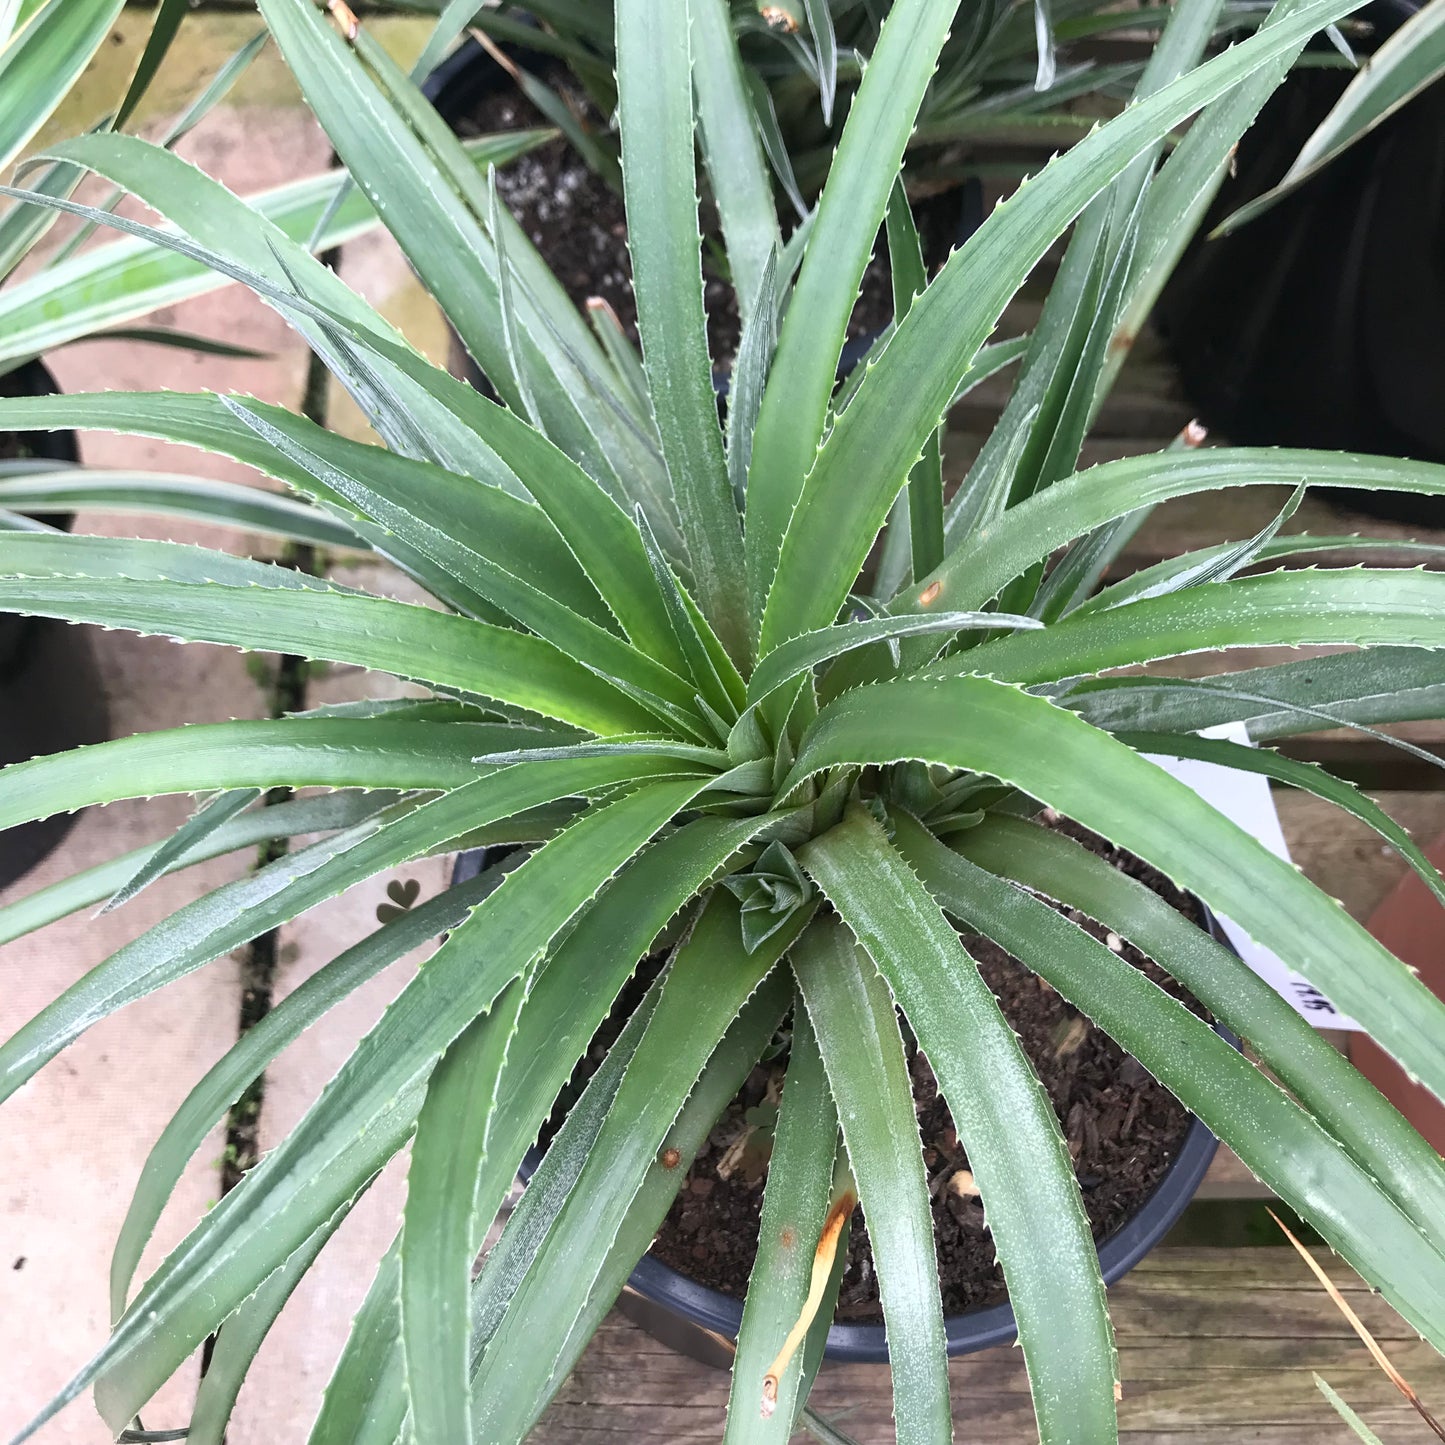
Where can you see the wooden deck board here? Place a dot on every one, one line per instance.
(1215, 1346)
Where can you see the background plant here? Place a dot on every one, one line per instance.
(1027, 76)
(70, 295)
(1409, 62)
(658, 665)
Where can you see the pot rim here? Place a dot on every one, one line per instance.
(703, 1307)
(857, 1341)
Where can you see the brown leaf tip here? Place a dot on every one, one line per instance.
(345, 17)
(780, 19)
(770, 1396)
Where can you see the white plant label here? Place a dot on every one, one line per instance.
(1245, 798)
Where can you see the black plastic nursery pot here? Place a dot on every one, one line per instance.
(1321, 322)
(702, 1322)
(51, 697)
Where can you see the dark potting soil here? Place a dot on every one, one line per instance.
(578, 223)
(1123, 1130)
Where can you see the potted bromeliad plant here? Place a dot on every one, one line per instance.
(751, 702)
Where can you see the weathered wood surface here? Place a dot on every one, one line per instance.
(1215, 1346)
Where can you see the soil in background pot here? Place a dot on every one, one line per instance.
(1123, 1129)
(578, 222)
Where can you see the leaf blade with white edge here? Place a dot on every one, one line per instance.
(1231, 560)
(992, 727)
(925, 482)
(1185, 185)
(196, 499)
(857, 1031)
(825, 45)
(125, 279)
(240, 910)
(369, 1362)
(43, 60)
(504, 551)
(1375, 685)
(94, 885)
(410, 509)
(274, 752)
(215, 813)
(733, 154)
(795, 405)
(1279, 1141)
(749, 377)
(1044, 39)
(253, 1052)
(207, 928)
(1004, 1119)
(1367, 608)
(799, 654)
(225, 236)
(571, 998)
(1362, 1431)
(549, 1185)
(795, 1201)
(659, 171)
(729, 1065)
(982, 566)
(402, 155)
(731, 1062)
(512, 349)
(1296, 774)
(622, 353)
(215, 92)
(710, 980)
(1323, 1080)
(243, 1334)
(438, 1244)
(602, 537)
(261, 608)
(708, 663)
(775, 147)
(168, 17)
(238, 1242)
(1076, 332)
(1162, 576)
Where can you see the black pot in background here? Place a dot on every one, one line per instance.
(1321, 323)
(703, 1323)
(51, 696)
